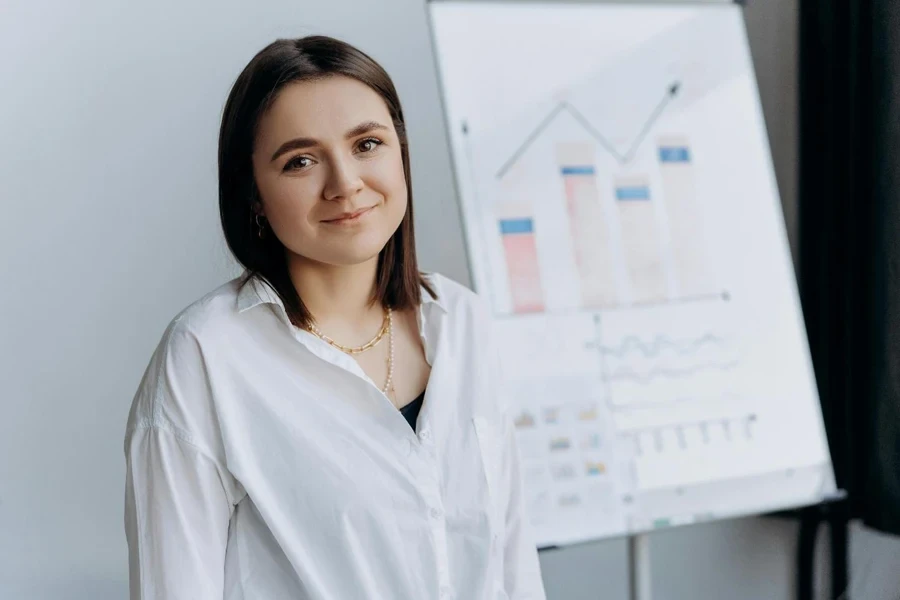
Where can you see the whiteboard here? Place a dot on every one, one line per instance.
(622, 218)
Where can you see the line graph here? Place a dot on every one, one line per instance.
(661, 343)
(622, 158)
(652, 377)
(662, 356)
(630, 374)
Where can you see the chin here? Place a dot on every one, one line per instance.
(346, 251)
(354, 253)
(347, 259)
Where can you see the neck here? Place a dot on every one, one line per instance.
(339, 298)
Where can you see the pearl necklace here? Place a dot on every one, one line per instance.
(390, 375)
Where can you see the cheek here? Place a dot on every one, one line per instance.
(395, 182)
(287, 204)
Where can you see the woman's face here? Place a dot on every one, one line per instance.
(330, 174)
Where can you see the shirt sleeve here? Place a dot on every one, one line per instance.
(177, 513)
(522, 570)
(522, 576)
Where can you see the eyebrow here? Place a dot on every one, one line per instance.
(305, 142)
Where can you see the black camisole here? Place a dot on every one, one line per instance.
(411, 410)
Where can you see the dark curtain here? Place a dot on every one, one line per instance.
(849, 219)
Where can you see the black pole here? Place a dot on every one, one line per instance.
(810, 519)
(834, 196)
(838, 529)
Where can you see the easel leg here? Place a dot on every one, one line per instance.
(836, 516)
(837, 525)
(806, 552)
(639, 567)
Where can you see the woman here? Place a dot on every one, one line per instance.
(282, 443)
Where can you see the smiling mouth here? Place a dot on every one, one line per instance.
(347, 218)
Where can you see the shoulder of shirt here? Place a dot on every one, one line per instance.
(198, 326)
(180, 356)
(206, 315)
(457, 299)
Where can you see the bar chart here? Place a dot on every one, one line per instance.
(633, 221)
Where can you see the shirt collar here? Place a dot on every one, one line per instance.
(256, 291)
(440, 301)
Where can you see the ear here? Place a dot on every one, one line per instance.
(258, 209)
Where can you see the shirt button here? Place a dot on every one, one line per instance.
(446, 591)
(425, 435)
(435, 513)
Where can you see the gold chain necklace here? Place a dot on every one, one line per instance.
(385, 326)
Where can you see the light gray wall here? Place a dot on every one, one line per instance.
(108, 116)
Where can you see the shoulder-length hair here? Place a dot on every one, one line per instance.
(398, 280)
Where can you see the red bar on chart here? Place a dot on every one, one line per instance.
(516, 223)
(588, 228)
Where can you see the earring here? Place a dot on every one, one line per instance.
(260, 227)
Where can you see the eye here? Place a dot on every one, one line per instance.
(369, 144)
(297, 163)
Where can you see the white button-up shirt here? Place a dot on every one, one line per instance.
(263, 463)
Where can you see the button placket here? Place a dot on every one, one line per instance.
(423, 466)
(434, 504)
(405, 447)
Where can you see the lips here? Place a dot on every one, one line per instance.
(349, 216)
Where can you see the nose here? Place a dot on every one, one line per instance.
(344, 180)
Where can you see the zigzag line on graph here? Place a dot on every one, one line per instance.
(659, 343)
(657, 372)
(671, 92)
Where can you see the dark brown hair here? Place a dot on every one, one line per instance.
(398, 280)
